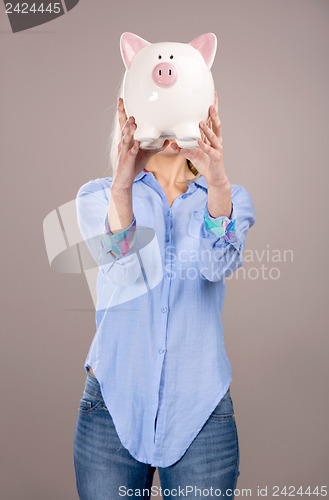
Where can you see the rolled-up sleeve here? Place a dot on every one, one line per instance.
(222, 244)
(92, 203)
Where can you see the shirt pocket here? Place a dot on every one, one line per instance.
(194, 224)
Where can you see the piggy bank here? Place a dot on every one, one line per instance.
(168, 88)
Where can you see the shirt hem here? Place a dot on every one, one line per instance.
(123, 442)
(193, 434)
(155, 462)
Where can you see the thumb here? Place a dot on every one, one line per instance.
(164, 145)
(190, 154)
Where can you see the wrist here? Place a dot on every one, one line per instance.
(118, 187)
(219, 200)
(223, 186)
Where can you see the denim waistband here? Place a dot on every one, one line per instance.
(92, 386)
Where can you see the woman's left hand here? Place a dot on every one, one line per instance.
(208, 158)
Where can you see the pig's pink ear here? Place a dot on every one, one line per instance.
(207, 45)
(130, 45)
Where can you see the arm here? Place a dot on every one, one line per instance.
(120, 222)
(222, 238)
(92, 208)
(224, 229)
(107, 223)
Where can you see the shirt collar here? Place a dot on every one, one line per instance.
(201, 181)
(140, 175)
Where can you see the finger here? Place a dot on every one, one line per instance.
(211, 136)
(210, 151)
(209, 124)
(122, 113)
(164, 145)
(217, 128)
(216, 123)
(126, 126)
(127, 139)
(134, 150)
(126, 123)
(204, 138)
(190, 154)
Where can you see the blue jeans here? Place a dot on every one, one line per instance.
(102, 465)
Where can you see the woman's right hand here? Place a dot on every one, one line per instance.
(131, 159)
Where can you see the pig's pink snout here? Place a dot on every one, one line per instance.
(164, 75)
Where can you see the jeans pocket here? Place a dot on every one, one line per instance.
(224, 411)
(89, 403)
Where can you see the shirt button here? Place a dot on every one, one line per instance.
(168, 275)
(163, 309)
(161, 351)
(184, 195)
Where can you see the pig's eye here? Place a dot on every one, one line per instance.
(171, 57)
(160, 57)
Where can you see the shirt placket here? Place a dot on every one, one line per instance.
(164, 305)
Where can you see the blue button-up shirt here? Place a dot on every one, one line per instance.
(158, 352)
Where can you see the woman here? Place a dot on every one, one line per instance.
(157, 392)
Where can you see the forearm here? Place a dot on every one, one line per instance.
(223, 239)
(219, 200)
(120, 212)
(117, 267)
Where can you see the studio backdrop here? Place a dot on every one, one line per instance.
(61, 71)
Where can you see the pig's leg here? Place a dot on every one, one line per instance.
(187, 134)
(146, 133)
(156, 144)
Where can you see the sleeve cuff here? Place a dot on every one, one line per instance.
(222, 226)
(122, 242)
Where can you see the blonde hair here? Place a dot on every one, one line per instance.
(115, 138)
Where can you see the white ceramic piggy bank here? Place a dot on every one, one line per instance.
(168, 87)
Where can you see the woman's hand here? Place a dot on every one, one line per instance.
(208, 158)
(131, 159)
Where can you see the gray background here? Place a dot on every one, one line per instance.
(58, 91)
